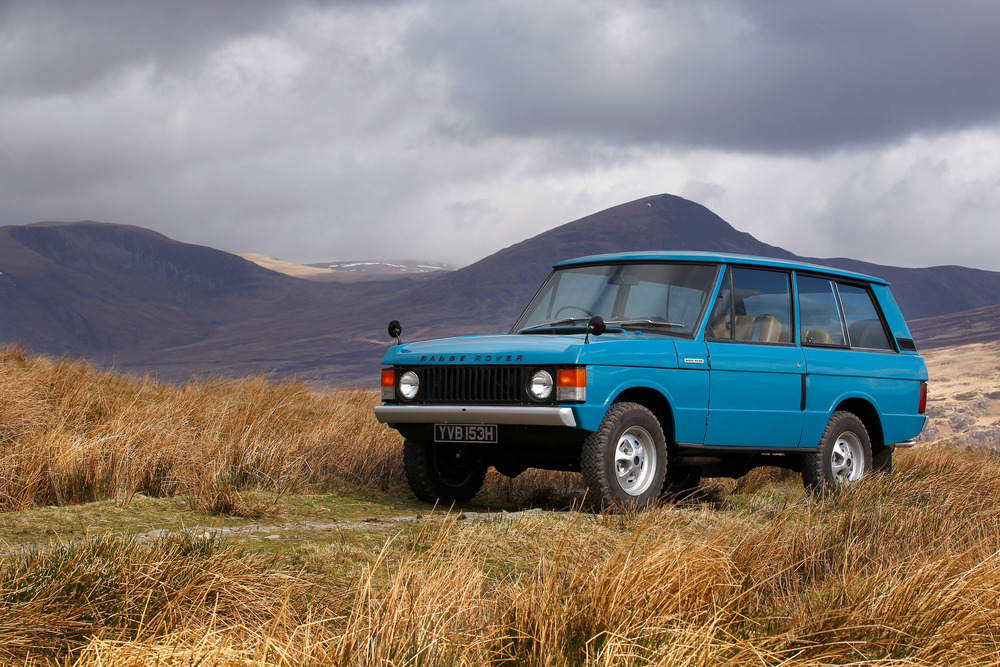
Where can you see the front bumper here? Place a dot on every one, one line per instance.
(476, 414)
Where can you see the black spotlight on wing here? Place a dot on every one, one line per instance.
(595, 326)
(395, 330)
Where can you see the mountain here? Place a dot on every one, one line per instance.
(137, 300)
(489, 295)
(88, 287)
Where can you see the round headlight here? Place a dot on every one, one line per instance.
(409, 383)
(540, 385)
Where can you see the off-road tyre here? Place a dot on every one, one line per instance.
(624, 462)
(844, 454)
(442, 473)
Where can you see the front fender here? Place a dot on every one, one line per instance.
(684, 390)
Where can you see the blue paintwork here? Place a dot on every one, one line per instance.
(890, 382)
(487, 350)
(756, 395)
(685, 390)
(719, 393)
(611, 349)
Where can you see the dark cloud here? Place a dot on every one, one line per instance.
(777, 76)
(60, 46)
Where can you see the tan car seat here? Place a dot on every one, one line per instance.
(818, 336)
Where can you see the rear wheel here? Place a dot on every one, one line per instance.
(844, 454)
(624, 462)
(441, 472)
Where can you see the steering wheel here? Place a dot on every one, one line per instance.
(582, 310)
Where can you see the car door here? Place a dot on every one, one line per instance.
(755, 368)
(849, 352)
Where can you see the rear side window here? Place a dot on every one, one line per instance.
(753, 306)
(864, 326)
(820, 322)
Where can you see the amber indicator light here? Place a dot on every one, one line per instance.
(572, 377)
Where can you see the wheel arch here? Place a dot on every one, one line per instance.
(869, 416)
(656, 402)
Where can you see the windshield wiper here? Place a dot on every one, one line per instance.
(555, 323)
(639, 323)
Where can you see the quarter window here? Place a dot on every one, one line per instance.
(864, 326)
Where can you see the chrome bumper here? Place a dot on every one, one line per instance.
(475, 414)
(904, 445)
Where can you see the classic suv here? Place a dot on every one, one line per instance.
(646, 371)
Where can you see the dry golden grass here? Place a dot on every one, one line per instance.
(893, 570)
(896, 570)
(72, 434)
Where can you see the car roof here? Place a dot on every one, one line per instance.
(714, 257)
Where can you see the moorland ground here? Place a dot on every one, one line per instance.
(259, 522)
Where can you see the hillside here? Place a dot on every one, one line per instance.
(90, 288)
(137, 300)
(979, 325)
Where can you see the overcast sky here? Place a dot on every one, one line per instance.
(447, 130)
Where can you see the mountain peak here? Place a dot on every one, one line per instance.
(659, 222)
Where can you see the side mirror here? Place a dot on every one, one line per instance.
(595, 326)
(395, 330)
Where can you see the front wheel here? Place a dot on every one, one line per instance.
(625, 461)
(844, 454)
(441, 472)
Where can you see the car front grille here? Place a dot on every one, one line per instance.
(473, 384)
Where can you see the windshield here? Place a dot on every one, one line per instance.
(663, 297)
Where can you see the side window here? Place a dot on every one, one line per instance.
(819, 314)
(864, 326)
(754, 306)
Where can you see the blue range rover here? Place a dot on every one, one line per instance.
(646, 371)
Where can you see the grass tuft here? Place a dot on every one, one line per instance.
(73, 434)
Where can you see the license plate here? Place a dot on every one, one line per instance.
(465, 433)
